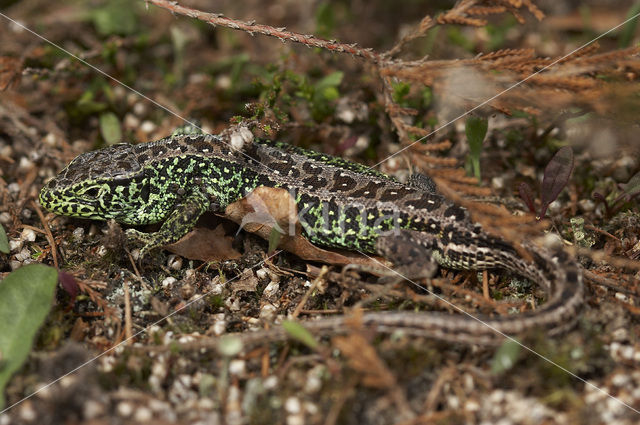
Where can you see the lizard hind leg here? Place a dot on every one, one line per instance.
(412, 258)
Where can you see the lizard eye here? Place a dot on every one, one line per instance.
(92, 192)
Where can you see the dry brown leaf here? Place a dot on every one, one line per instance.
(266, 207)
(248, 282)
(10, 72)
(205, 244)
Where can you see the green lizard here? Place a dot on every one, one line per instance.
(342, 204)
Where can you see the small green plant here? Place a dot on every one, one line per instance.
(630, 190)
(476, 130)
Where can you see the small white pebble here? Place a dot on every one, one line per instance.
(13, 188)
(292, 405)
(28, 235)
(107, 363)
(50, 139)
(119, 92)
(453, 402)
(627, 352)
(139, 109)
(311, 408)
(6, 151)
(219, 327)
(131, 122)
(347, 115)
(241, 137)
(268, 312)
(143, 414)
(471, 406)
(551, 241)
(168, 282)
(93, 409)
(270, 382)
(15, 244)
(313, 384)
(25, 164)
(232, 303)
(5, 218)
(237, 367)
(619, 379)
(27, 413)
(223, 82)
(174, 262)
(43, 391)
(497, 183)
(622, 297)
(262, 273)
(271, 290)
(124, 409)
(147, 127)
(102, 251)
(78, 233)
(68, 381)
(586, 205)
(23, 255)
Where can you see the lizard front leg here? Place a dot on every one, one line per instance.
(411, 256)
(180, 221)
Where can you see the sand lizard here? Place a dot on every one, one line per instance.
(342, 204)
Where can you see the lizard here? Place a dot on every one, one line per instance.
(340, 204)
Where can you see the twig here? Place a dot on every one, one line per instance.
(251, 27)
(47, 231)
(127, 312)
(312, 288)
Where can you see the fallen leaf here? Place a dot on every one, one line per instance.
(268, 208)
(248, 283)
(205, 244)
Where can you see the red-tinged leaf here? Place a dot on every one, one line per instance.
(556, 177)
(69, 285)
(526, 195)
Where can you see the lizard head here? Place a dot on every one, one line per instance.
(104, 184)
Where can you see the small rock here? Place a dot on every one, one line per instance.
(168, 282)
(174, 262)
(28, 235)
(148, 127)
(124, 409)
(237, 367)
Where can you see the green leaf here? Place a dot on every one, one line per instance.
(400, 91)
(4, 242)
(332, 80)
(506, 356)
(325, 21)
(629, 29)
(298, 332)
(476, 130)
(116, 17)
(25, 300)
(110, 128)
